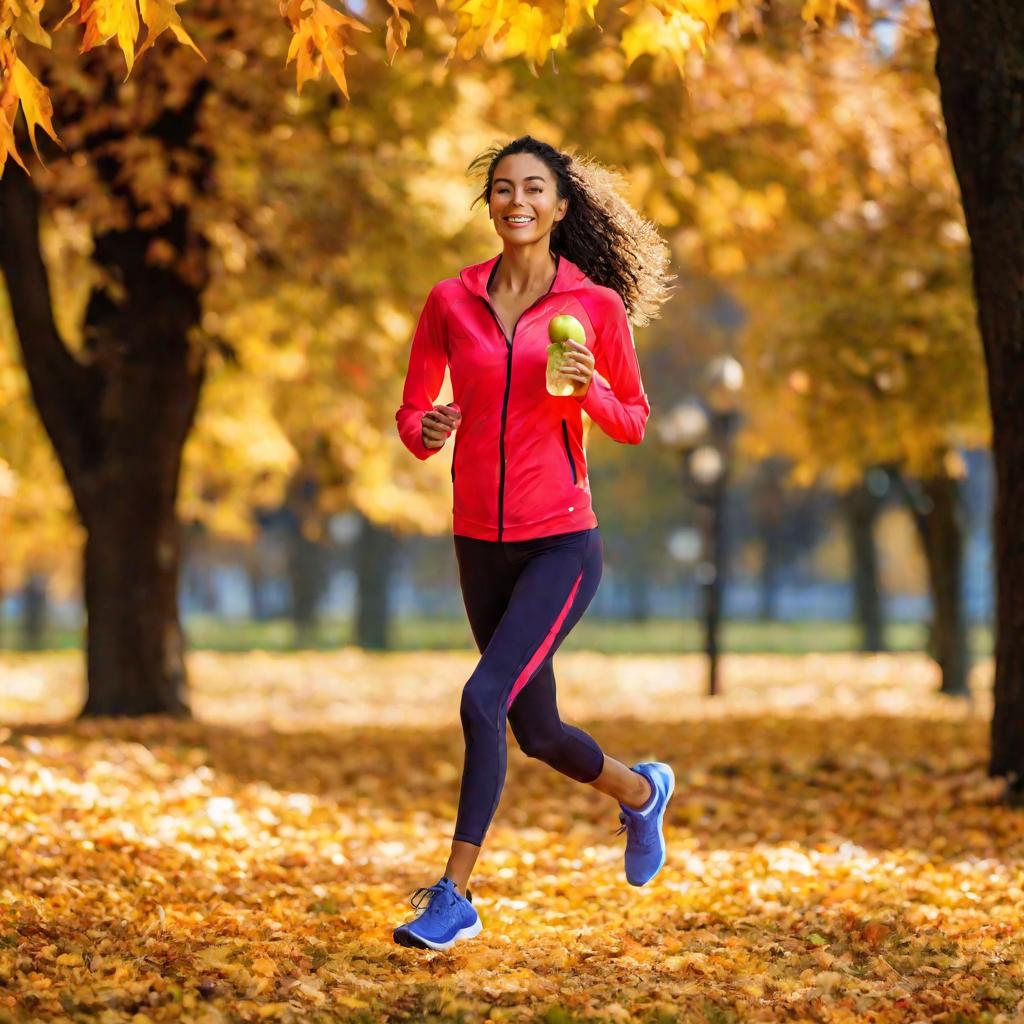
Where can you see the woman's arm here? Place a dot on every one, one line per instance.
(620, 407)
(428, 358)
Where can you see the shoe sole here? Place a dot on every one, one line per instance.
(661, 832)
(405, 937)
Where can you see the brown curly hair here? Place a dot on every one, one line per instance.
(600, 232)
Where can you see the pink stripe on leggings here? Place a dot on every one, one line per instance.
(542, 652)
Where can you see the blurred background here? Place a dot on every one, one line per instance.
(809, 570)
(815, 473)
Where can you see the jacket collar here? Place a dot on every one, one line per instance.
(476, 276)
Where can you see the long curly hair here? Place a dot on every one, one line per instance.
(600, 232)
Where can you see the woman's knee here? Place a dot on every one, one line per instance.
(544, 746)
(477, 707)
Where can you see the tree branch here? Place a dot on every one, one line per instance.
(62, 387)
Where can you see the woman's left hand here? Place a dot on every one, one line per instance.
(578, 367)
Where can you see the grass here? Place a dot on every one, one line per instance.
(656, 636)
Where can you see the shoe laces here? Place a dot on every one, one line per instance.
(424, 890)
(642, 830)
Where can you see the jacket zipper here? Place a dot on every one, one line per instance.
(508, 385)
(568, 453)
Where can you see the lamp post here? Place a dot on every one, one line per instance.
(702, 433)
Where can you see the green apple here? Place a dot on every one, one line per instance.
(560, 329)
(566, 326)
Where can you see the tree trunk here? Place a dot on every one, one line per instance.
(771, 563)
(638, 590)
(940, 524)
(118, 416)
(127, 490)
(638, 578)
(980, 66)
(306, 555)
(306, 573)
(256, 573)
(135, 647)
(33, 614)
(860, 508)
(768, 505)
(374, 562)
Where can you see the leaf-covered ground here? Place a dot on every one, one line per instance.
(837, 852)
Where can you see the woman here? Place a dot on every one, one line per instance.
(526, 538)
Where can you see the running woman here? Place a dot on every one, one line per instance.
(526, 539)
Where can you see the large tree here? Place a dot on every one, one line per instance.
(980, 65)
(199, 190)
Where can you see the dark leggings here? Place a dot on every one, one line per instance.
(522, 598)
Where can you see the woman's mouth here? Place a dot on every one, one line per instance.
(518, 221)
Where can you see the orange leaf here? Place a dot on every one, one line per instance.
(104, 19)
(876, 932)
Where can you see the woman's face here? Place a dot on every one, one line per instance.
(523, 185)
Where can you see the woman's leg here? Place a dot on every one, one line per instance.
(618, 780)
(486, 577)
(558, 577)
(541, 733)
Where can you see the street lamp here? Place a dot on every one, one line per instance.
(702, 433)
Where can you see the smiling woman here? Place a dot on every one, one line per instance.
(526, 538)
(577, 206)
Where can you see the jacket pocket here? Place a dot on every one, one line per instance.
(568, 451)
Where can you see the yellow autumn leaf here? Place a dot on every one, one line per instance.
(574, 12)
(26, 23)
(706, 11)
(321, 37)
(159, 15)
(35, 104)
(104, 19)
(398, 27)
(8, 105)
(672, 36)
(351, 1002)
(264, 965)
(215, 956)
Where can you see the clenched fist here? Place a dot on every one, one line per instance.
(439, 423)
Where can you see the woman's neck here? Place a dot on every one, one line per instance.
(524, 269)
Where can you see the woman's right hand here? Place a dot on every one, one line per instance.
(439, 423)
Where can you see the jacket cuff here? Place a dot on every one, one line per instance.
(414, 439)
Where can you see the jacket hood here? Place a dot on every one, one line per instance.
(476, 276)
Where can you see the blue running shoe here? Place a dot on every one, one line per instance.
(645, 841)
(448, 917)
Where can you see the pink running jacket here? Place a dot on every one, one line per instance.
(519, 469)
